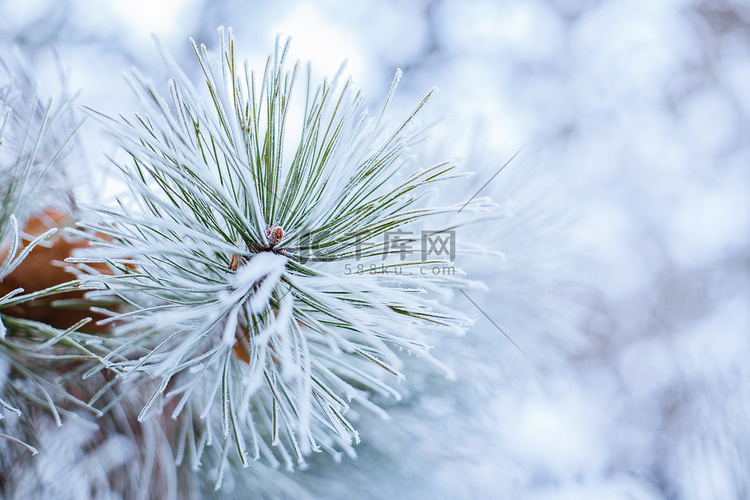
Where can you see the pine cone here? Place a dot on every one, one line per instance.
(43, 268)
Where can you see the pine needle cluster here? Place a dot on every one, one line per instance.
(257, 281)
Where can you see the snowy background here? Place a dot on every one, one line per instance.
(626, 278)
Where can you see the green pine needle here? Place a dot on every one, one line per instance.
(232, 256)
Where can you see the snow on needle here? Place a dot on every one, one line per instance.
(238, 303)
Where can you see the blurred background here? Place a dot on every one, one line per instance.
(626, 276)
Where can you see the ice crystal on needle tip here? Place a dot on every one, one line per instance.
(239, 257)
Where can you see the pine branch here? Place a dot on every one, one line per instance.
(232, 255)
(33, 137)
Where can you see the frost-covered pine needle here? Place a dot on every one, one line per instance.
(258, 283)
(34, 133)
